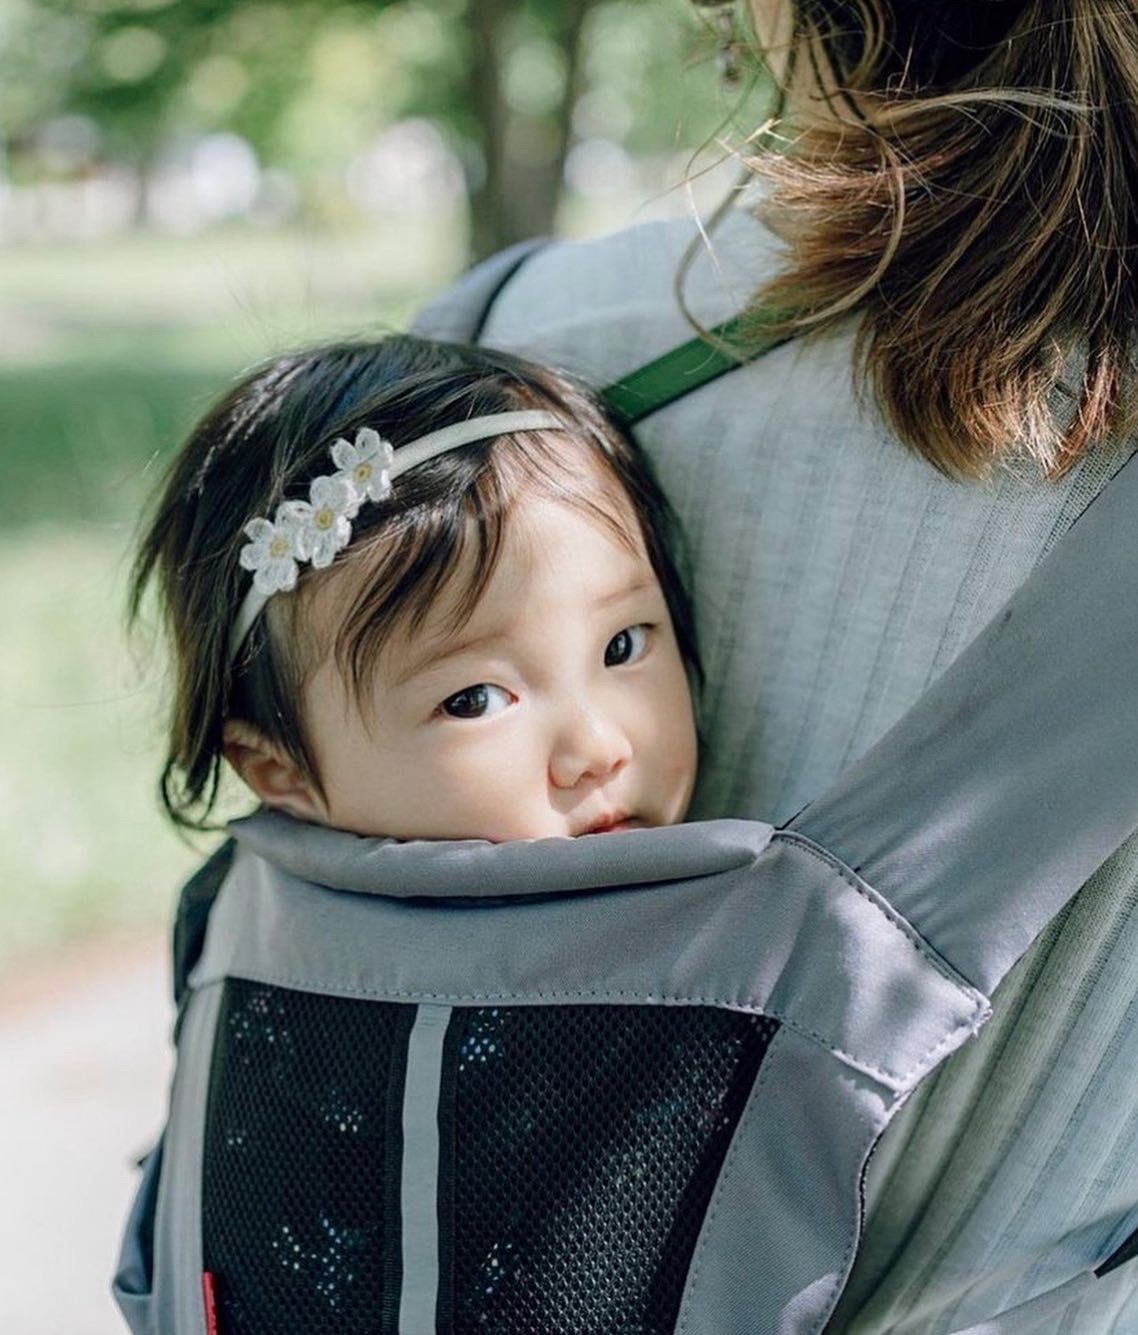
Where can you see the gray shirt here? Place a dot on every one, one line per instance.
(836, 575)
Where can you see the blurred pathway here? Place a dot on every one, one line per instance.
(84, 1057)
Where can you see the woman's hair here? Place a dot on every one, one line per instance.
(975, 198)
(271, 435)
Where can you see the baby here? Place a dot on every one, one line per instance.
(423, 591)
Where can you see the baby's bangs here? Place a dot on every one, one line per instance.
(440, 536)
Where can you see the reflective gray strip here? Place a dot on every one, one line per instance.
(420, 1187)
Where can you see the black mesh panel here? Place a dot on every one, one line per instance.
(300, 1208)
(581, 1145)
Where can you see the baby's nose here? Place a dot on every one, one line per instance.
(588, 746)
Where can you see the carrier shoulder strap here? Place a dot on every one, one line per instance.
(191, 916)
(1015, 775)
(692, 365)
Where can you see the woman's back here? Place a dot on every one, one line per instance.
(836, 575)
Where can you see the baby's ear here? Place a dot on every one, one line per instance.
(270, 772)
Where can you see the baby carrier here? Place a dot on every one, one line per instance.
(629, 1084)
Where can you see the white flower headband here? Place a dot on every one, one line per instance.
(316, 529)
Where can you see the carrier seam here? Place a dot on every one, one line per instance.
(885, 1077)
(877, 901)
(749, 1114)
(855, 1236)
(716, 1201)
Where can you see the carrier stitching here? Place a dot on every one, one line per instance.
(981, 1008)
(851, 1248)
(749, 1113)
(886, 1077)
(717, 1196)
(890, 914)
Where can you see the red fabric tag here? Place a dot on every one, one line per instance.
(209, 1297)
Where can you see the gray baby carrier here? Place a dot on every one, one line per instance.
(628, 1084)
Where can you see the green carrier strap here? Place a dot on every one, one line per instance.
(690, 366)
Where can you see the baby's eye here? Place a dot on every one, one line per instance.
(476, 701)
(627, 645)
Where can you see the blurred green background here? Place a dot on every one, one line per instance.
(189, 186)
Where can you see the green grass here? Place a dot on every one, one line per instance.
(107, 355)
(84, 846)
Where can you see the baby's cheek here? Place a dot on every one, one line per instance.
(502, 816)
(681, 760)
(490, 790)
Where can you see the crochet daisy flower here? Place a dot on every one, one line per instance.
(365, 464)
(272, 553)
(324, 527)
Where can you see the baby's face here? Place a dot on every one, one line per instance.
(561, 708)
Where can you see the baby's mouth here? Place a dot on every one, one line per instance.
(614, 824)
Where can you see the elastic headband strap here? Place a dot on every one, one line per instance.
(466, 433)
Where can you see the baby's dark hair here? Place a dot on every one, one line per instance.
(271, 435)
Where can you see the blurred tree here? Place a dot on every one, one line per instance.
(522, 85)
(308, 82)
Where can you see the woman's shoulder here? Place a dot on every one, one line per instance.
(605, 305)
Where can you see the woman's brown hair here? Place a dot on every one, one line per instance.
(974, 197)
